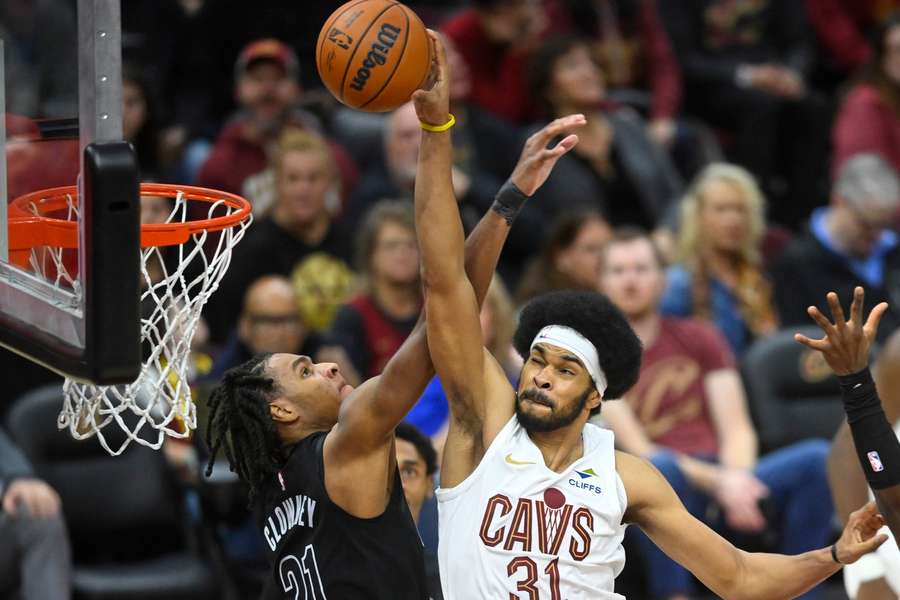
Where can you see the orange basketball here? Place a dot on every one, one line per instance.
(373, 54)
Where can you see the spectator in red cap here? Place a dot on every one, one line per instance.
(267, 90)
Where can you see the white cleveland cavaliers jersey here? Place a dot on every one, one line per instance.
(516, 529)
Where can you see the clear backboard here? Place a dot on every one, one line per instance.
(69, 296)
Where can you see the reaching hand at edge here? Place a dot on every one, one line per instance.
(847, 341)
(859, 536)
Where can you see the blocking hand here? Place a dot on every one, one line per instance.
(432, 103)
(847, 341)
(536, 160)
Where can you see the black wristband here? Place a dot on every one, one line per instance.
(877, 446)
(859, 395)
(509, 201)
(834, 554)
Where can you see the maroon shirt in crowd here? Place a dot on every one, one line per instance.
(841, 26)
(670, 398)
(499, 73)
(866, 123)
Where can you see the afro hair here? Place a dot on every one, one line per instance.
(592, 315)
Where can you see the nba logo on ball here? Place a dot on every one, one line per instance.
(340, 38)
(875, 462)
(373, 54)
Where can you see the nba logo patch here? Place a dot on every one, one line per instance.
(875, 462)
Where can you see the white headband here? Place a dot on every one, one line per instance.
(577, 344)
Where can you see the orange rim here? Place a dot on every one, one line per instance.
(27, 230)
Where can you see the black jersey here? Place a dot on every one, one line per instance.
(319, 551)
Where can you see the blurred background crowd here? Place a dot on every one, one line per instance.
(740, 161)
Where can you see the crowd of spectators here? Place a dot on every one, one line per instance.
(740, 160)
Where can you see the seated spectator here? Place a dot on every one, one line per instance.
(687, 414)
(616, 168)
(40, 62)
(719, 274)
(394, 176)
(270, 321)
(139, 123)
(629, 42)
(371, 327)
(417, 462)
(745, 67)
(850, 242)
(35, 559)
(869, 118)
(298, 227)
(495, 39)
(267, 91)
(844, 29)
(632, 48)
(570, 257)
(431, 413)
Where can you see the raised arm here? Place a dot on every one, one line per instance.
(453, 326)
(731, 573)
(468, 373)
(846, 349)
(848, 482)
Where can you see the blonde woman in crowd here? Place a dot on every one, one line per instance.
(719, 275)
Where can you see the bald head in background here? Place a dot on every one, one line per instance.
(270, 319)
(401, 144)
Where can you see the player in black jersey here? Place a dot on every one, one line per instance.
(318, 456)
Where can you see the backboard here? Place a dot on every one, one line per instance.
(74, 310)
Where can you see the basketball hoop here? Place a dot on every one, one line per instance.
(181, 266)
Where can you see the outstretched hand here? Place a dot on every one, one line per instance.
(858, 537)
(537, 160)
(432, 103)
(846, 343)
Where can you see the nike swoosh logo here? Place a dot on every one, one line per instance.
(513, 461)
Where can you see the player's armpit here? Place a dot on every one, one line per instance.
(470, 435)
(730, 573)
(499, 399)
(455, 344)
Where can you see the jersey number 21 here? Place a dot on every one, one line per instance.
(307, 571)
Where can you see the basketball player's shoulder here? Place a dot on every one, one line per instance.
(640, 478)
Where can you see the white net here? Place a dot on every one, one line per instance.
(176, 282)
(552, 519)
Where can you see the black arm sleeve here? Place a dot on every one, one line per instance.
(876, 443)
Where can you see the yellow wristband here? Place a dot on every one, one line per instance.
(439, 128)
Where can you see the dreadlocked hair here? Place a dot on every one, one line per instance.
(240, 424)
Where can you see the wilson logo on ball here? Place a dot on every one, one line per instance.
(377, 55)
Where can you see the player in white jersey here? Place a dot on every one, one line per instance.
(533, 499)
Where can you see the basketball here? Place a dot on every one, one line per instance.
(373, 54)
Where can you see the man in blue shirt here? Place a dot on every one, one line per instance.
(851, 242)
